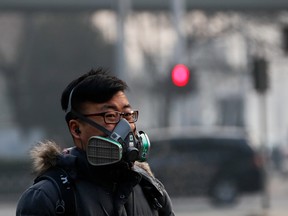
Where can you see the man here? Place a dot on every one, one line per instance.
(103, 173)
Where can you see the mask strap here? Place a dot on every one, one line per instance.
(83, 118)
(92, 123)
(69, 107)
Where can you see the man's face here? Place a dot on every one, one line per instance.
(118, 102)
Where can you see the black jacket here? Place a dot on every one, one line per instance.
(109, 190)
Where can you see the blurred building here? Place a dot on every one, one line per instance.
(217, 45)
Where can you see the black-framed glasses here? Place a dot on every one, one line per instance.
(113, 117)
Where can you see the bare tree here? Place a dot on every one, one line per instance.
(55, 48)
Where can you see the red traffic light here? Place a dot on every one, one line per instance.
(180, 75)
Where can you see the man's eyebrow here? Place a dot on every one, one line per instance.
(127, 106)
(110, 106)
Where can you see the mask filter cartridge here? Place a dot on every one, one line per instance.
(103, 151)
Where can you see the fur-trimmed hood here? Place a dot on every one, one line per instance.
(48, 154)
(44, 156)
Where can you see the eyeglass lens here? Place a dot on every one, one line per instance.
(114, 117)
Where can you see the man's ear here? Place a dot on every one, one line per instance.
(74, 128)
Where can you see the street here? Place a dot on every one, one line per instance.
(248, 205)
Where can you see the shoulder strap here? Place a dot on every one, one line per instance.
(66, 204)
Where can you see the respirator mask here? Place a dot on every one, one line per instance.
(121, 144)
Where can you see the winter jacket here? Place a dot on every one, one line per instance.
(114, 190)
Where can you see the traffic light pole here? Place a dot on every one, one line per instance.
(123, 7)
(264, 150)
(178, 11)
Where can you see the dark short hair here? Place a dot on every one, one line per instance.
(96, 86)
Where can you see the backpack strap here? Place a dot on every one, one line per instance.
(66, 204)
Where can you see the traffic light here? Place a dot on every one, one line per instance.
(259, 73)
(181, 79)
(180, 75)
(285, 39)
